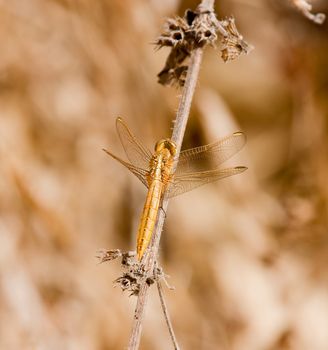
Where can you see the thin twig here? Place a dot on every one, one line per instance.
(167, 316)
(306, 8)
(177, 137)
(186, 98)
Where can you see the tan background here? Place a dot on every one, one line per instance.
(248, 256)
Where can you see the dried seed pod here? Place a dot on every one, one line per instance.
(128, 282)
(184, 35)
(173, 33)
(196, 30)
(128, 259)
(204, 28)
(233, 44)
(173, 76)
(108, 255)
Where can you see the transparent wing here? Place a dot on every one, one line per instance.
(188, 181)
(140, 173)
(210, 156)
(137, 154)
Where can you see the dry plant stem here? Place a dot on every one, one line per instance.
(186, 98)
(177, 137)
(207, 5)
(167, 316)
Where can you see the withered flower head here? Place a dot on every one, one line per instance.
(233, 44)
(196, 30)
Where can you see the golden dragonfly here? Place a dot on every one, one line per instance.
(194, 167)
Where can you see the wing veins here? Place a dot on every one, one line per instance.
(198, 158)
(140, 173)
(136, 153)
(188, 181)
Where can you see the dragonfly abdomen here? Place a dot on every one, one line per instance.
(149, 216)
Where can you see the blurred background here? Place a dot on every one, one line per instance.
(247, 256)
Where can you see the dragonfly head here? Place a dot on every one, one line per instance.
(166, 144)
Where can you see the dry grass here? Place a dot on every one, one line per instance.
(247, 256)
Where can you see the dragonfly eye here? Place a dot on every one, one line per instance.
(171, 146)
(160, 145)
(166, 144)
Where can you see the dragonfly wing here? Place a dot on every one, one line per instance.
(140, 173)
(189, 181)
(135, 151)
(210, 156)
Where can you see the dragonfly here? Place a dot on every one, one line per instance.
(165, 174)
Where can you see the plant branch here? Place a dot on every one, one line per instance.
(177, 136)
(306, 8)
(186, 99)
(167, 316)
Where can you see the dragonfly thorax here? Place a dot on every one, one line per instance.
(161, 163)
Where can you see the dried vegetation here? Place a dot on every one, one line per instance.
(247, 256)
